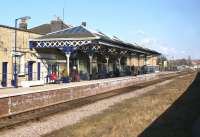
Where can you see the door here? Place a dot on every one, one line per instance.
(30, 70)
(38, 71)
(49, 69)
(4, 74)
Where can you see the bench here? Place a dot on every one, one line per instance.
(26, 84)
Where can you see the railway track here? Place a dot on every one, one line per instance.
(17, 119)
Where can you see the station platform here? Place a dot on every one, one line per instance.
(18, 100)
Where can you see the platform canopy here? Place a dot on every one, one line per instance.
(89, 41)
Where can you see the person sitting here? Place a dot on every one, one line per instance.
(65, 77)
(53, 77)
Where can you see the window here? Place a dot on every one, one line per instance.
(17, 64)
(1, 46)
(20, 64)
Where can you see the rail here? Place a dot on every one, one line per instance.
(54, 108)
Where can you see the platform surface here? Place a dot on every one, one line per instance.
(19, 100)
(7, 92)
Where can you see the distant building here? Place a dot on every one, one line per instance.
(196, 64)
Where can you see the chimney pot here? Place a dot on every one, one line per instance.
(84, 24)
(23, 24)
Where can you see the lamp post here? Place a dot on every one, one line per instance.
(15, 50)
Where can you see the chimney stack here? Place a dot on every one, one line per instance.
(84, 24)
(57, 24)
(23, 24)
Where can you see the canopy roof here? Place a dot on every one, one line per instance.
(86, 36)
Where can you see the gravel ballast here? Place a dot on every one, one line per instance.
(63, 119)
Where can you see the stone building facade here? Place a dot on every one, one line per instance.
(23, 53)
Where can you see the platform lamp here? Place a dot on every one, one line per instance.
(15, 49)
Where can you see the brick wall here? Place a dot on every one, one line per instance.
(20, 103)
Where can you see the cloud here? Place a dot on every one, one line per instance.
(149, 41)
(158, 45)
(167, 50)
(140, 33)
(183, 52)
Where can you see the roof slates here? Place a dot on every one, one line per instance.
(83, 32)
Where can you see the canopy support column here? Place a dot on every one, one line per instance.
(145, 64)
(130, 62)
(145, 60)
(107, 64)
(138, 69)
(90, 59)
(78, 66)
(68, 57)
(119, 61)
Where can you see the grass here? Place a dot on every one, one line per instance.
(140, 116)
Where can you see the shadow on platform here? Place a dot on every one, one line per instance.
(178, 120)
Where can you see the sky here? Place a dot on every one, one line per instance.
(171, 27)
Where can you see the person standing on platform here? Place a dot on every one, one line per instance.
(73, 72)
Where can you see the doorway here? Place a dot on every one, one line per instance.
(30, 70)
(4, 74)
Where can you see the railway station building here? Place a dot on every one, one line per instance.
(65, 49)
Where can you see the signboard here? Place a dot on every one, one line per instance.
(165, 63)
(16, 53)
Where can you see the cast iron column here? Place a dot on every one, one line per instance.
(119, 61)
(68, 57)
(90, 58)
(107, 64)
